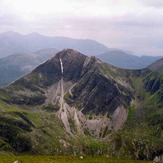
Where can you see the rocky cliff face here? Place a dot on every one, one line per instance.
(72, 96)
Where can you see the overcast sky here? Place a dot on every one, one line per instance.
(134, 25)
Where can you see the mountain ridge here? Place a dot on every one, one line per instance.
(157, 66)
(80, 105)
(33, 42)
(127, 60)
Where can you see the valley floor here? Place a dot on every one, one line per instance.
(64, 159)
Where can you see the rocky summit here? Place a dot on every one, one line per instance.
(73, 104)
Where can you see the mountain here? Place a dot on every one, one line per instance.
(157, 66)
(14, 66)
(12, 42)
(17, 65)
(77, 105)
(127, 60)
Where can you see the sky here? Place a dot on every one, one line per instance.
(131, 25)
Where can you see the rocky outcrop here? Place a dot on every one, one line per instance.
(95, 93)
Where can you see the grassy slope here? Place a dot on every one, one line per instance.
(64, 159)
(142, 136)
(44, 132)
(39, 126)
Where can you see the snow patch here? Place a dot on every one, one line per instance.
(61, 65)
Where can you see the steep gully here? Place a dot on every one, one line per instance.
(63, 112)
(66, 112)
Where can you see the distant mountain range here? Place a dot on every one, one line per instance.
(14, 66)
(12, 42)
(26, 53)
(126, 60)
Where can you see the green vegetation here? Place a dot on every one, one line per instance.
(142, 136)
(72, 125)
(65, 159)
(108, 70)
(51, 108)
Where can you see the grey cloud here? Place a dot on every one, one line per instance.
(139, 32)
(154, 3)
(139, 38)
(128, 33)
(144, 21)
(10, 20)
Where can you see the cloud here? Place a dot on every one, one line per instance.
(153, 3)
(131, 25)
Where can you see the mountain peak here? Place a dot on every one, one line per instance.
(35, 35)
(10, 34)
(69, 53)
(72, 62)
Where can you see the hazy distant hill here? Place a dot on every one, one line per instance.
(12, 42)
(16, 65)
(125, 60)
